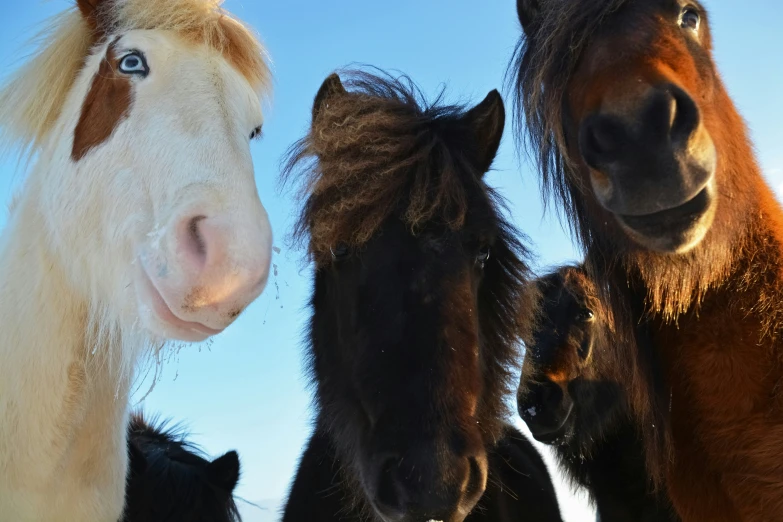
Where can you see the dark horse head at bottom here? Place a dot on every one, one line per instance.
(569, 397)
(418, 292)
(519, 487)
(169, 480)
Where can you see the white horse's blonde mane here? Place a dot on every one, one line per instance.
(32, 99)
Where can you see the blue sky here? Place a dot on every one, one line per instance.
(247, 389)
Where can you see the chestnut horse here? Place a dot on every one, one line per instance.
(139, 224)
(417, 298)
(567, 401)
(519, 487)
(170, 480)
(638, 139)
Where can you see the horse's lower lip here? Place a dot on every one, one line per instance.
(163, 311)
(674, 220)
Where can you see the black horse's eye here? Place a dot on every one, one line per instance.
(256, 133)
(483, 256)
(340, 251)
(135, 64)
(690, 19)
(586, 314)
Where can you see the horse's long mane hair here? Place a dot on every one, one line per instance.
(541, 68)
(32, 99)
(381, 149)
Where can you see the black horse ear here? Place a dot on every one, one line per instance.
(224, 471)
(331, 86)
(487, 120)
(137, 460)
(528, 11)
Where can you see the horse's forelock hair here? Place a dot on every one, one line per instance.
(373, 148)
(32, 99)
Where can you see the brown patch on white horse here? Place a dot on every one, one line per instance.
(106, 105)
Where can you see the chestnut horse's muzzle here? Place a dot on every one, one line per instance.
(652, 164)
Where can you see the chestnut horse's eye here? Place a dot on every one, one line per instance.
(586, 315)
(340, 251)
(690, 19)
(483, 256)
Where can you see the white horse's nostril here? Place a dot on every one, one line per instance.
(195, 236)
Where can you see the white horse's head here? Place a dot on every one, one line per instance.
(143, 112)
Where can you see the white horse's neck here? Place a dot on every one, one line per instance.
(63, 401)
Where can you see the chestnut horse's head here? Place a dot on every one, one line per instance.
(142, 114)
(417, 293)
(631, 123)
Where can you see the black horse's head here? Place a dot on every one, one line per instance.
(564, 392)
(417, 292)
(170, 481)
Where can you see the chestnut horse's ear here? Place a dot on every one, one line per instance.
(331, 86)
(528, 11)
(91, 11)
(487, 120)
(224, 471)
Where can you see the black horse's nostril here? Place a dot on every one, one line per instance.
(389, 498)
(600, 139)
(477, 480)
(551, 395)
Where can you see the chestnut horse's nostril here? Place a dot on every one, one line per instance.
(685, 118)
(600, 138)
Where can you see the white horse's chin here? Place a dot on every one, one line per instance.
(157, 318)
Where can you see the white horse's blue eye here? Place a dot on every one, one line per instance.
(134, 63)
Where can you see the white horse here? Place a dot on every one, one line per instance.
(138, 223)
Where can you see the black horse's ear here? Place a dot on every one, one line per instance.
(331, 86)
(224, 471)
(487, 120)
(137, 460)
(528, 11)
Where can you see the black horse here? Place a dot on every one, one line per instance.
(568, 401)
(418, 295)
(169, 480)
(518, 487)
